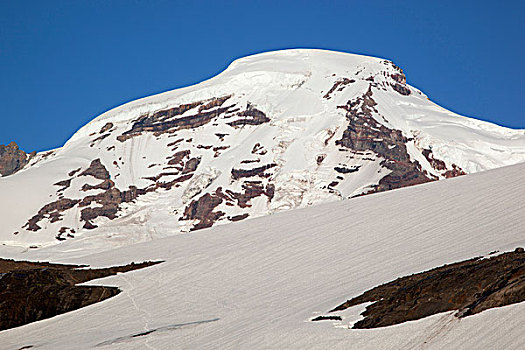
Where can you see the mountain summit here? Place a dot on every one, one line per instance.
(274, 131)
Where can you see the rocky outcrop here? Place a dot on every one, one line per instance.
(470, 287)
(364, 133)
(52, 212)
(104, 185)
(12, 159)
(32, 291)
(171, 120)
(250, 190)
(259, 171)
(107, 203)
(106, 127)
(440, 165)
(203, 211)
(177, 158)
(455, 171)
(238, 217)
(402, 89)
(345, 170)
(251, 116)
(400, 80)
(339, 85)
(97, 170)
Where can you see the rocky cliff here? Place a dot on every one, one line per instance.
(12, 159)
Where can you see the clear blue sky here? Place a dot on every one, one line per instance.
(62, 63)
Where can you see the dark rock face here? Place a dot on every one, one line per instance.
(203, 210)
(177, 158)
(106, 127)
(104, 185)
(345, 170)
(455, 171)
(470, 286)
(364, 133)
(32, 291)
(170, 120)
(53, 211)
(402, 89)
(251, 116)
(191, 165)
(250, 189)
(327, 318)
(441, 166)
(339, 85)
(435, 163)
(12, 159)
(110, 201)
(259, 171)
(97, 170)
(238, 217)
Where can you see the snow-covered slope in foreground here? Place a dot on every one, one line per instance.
(274, 131)
(255, 284)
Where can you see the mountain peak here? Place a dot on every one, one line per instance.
(274, 131)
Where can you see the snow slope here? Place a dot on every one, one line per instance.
(268, 134)
(255, 284)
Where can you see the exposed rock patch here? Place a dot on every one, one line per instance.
(455, 171)
(251, 116)
(191, 165)
(52, 211)
(345, 170)
(170, 120)
(64, 184)
(104, 185)
(32, 291)
(327, 318)
(238, 217)
(106, 203)
(258, 149)
(97, 170)
(106, 127)
(12, 159)
(339, 86)
(259, 171)
(73, 172)
(177, 158)
(364, 133)
(441, 166)
(204, 208)
(250, 190)
(470, 286)
(402, 89)
(203, 211)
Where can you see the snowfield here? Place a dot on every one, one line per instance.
(255, 284)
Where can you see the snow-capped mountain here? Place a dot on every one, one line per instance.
(274, 131)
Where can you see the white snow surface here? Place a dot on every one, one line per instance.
(255, 284)
(288, 86)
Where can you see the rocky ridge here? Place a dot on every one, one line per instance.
(470, 287)
(32, 291)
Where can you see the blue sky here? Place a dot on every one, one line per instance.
(62, 63)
